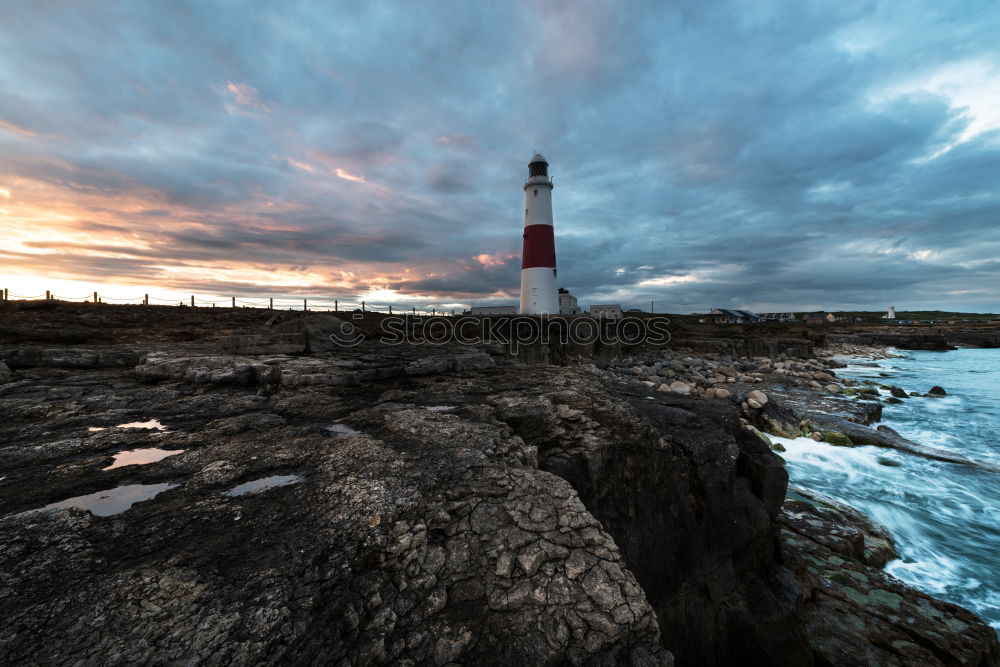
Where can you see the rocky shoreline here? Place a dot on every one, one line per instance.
(445, 505)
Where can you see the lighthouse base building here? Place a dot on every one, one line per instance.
(539, 292)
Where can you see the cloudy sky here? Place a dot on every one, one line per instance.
(763, 155)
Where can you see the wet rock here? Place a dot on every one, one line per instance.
(439, 540)
(898, 392)
(855, 613)
(936, 391)
(5, 373)
(837, 439)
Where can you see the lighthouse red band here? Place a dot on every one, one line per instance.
(539, 247)
(539, 293)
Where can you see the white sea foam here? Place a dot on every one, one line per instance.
(944, 517)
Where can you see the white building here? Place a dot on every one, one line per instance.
(538, 258)
(891, 314)
(567, 303)
(493, 310)
(611, 311)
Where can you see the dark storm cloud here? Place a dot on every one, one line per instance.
(765, 155)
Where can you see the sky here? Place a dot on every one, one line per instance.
(737, 154)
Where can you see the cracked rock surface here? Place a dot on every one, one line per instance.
(418, 534)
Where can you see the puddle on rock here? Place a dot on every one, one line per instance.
(141, 457)
(112, 501)
(440, 408)
(151, 424)
(94, 429)
(338, 430)
(263, 484)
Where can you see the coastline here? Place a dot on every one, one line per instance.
(944, 525)
(432, 504)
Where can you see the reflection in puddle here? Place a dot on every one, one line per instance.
(440, 408)
(141, 457)
(112, 501)
(263, 484)
(151, 424)
(341, 429)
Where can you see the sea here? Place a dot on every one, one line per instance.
(945, 517)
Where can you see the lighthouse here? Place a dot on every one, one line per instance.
(539, 294)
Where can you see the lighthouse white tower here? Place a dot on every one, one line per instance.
(539, 293)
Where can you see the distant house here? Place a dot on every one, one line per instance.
(777, 317)
(726, 316)
(567, 303)
(611, 311)
(494, 310)
(819, 317)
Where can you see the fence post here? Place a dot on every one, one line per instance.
(305, 306)
(192, 300)
(234, 303)
(390, 309)
(270, 305)
(5, 294)
(434, 312)
(362, 306)
(414, 311)
(47, 295)
(145, 300)
(95, 298)
(336, 306)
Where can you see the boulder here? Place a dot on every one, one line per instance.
(837, 439)
(832, 388)
(936, 391)
(4, 373)
(322, 332)
(679, 387)
(897, 392)
(758, 396)
(91, 320)
(268, 343)
(722, 393)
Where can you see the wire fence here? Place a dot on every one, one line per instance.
(262, 303)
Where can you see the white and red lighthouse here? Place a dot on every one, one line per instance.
(539, 293)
